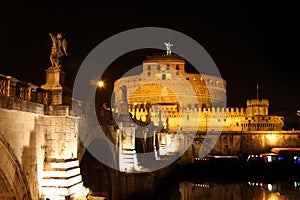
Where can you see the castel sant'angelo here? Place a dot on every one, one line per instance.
(190, 102)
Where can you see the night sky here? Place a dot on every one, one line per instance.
(249, 42)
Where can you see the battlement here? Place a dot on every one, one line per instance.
(257, 102)
(173, 108)
(224, 118)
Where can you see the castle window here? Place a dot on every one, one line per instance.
(158, 67)
(168, 67)
(148, 73)
(163, 77)
(149, 67)
(177, 67)
(177, 73)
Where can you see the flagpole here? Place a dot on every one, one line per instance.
(257, 89)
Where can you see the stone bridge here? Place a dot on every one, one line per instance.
(42, 142)
(38, 144)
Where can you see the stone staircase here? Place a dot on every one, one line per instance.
(62, 179)
(128, 160)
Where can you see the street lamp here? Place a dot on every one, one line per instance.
(100, 84)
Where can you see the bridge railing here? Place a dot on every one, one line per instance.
(12, 87)
(4, 85)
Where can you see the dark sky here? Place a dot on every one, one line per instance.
(247, 41)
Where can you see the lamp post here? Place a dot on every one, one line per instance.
(100, 87)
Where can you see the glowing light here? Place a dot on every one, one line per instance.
(272, 138)
(273, 196)
(100, 84)
(270, 187)
(269, 158)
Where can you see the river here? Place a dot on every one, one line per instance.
(219, 182)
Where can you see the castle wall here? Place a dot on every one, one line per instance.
(208, 119)
(244, 143)
(164, 73)
(257, 107)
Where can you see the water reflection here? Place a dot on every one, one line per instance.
(216, 190)
(191, 183)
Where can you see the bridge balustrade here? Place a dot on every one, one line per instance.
(12, 87)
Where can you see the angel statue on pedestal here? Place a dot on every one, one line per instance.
(59, 49)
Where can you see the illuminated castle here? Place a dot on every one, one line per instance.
(168, 89)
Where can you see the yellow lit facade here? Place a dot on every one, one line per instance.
(161, 86)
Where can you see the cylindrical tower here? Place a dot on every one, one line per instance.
(164, 80)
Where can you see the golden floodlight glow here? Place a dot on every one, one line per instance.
(272, 138)
(100, 84)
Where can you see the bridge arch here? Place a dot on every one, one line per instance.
(13, 183)
(90, 134)
(98, 177)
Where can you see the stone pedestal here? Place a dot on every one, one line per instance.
(54, 81)
(127, 154)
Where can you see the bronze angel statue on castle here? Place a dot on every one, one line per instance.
(59, 49)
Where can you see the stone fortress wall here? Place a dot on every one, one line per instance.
(190, 102)
(210, 119)
(167, 81)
